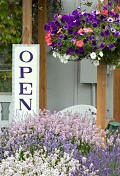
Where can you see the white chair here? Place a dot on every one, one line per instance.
(87, 110)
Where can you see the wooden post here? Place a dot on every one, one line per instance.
(27, 22)
(41, 41)
(101, 95)
(101, 89)
(116, 95)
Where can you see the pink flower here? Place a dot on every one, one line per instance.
(79, 43)
(86, 30)
(80, 31)
(59, 16)
(48, 38)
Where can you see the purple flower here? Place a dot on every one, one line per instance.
(107, 33)
(117, 34)
(102, 34)
(94, 25)
(109, 4)
(111, 46)
(70, 50)
(47, 27)
(94, 49)
(59, 43)
(102, 46)
(93, 43)
(90, 38)
(61, 36)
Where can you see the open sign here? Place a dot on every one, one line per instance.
(25, 79)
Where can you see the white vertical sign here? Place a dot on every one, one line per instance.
(25, 79)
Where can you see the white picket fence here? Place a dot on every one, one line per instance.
(5, 109)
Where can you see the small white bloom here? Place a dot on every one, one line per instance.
(101, 53)
(93, 55)
(110, 19)
(84, 159)
(99, 58)
(113, 30)
(101, 1)
(67, 57)
(96, 63)
(63, 60)
(54, 54)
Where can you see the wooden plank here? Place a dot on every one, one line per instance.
(101, 95)
(43, 62)
(27, 22)
(116, 95)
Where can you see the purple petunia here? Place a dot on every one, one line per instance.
(111, 46)
(107, 33)
(102, 46)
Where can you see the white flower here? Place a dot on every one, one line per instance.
(101, 53)
(63, 60)
(67, 57)
(54, 54)
(101, 1)
(110, 19)
(93, 55)
(96, 63)
(99, 58)
(113, 30)
(84, 159)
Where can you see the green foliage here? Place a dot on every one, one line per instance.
(10, 25)
(11, 22)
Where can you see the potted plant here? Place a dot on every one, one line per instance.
(94, 36)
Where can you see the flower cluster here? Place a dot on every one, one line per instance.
(62, 144)
(95, 35)
(26, 164)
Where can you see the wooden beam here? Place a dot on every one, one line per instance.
(41, 41)
(101, 95)
(116, 95)
(101, 89)
(27, 22)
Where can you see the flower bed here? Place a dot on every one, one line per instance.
(58, 144)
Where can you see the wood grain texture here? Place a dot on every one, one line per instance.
(101, 95)
(116, 95)
(27, 22)
(43, 62)
(101, 89)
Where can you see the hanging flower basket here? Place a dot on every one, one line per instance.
(94, 36)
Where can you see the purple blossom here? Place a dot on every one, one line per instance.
(116, 34)
(111, 46)
(61, 36)
(59, 43)
(107, 33)
(102, 46)
(70, 50)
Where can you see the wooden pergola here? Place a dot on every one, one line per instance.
(101, 70)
